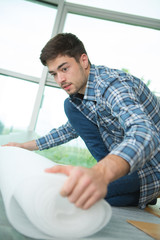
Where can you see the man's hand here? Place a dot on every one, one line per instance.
(84, 186)
(31, 145)
(13, 144)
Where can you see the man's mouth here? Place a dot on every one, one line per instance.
(66, 86)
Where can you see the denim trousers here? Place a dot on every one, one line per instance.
(122, 192)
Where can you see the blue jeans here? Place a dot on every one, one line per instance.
(126, 190)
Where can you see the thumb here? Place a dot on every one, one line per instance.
(60, 169)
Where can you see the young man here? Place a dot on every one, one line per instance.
(119, 120)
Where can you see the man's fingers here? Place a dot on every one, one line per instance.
(81, 186)
(83, 198)
(11, 144)
(71, 182)
(73, 174)
(91, 201)
(59, 169)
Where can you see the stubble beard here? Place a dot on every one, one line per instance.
(81, 88)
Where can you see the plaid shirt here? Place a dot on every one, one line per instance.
(128, 117)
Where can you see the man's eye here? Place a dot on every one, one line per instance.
(53, 74)
(64, 69)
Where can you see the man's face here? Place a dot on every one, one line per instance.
(68, 74)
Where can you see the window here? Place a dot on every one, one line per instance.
(51, 114)
(25, 28)
(16, 104)
(119, 46)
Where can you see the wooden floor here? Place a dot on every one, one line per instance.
(117, 228)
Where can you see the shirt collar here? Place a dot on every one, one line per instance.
(94, 85)
(90, 88)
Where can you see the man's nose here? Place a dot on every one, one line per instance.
(61, 77)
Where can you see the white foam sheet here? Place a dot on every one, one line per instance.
(33, 204)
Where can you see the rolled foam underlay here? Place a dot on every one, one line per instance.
(33, 203)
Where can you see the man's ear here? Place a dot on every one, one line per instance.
(84, 60)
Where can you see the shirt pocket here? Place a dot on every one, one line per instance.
(110, 124)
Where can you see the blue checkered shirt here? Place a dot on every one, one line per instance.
(128, 117)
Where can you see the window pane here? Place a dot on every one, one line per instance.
(146, 8)
(51, 114)
(25, 28)
(119, 46)
(17, 98)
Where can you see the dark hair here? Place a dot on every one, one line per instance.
(62, 44)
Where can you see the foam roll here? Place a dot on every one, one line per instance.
(33, 204)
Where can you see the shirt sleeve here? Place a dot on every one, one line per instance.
(57, 136)
(140, 140)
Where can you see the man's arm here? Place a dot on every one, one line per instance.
(31, 145)
(85, 186)
(52, 139)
